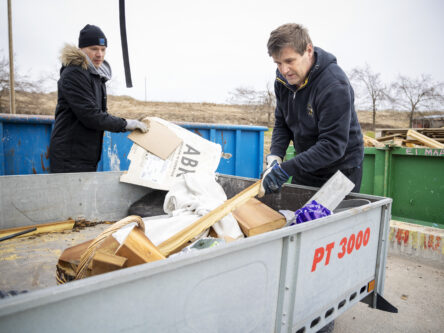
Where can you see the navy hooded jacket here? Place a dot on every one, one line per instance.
(320, 119)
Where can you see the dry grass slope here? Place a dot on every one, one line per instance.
(124, 106)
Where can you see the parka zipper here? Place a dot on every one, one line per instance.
(302, 86)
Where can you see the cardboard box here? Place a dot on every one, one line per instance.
(166, 152)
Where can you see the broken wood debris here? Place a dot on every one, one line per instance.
(407, 137)
(104, 253)
(39, 228)
(429, 142)
(171, 244)
(370, 142)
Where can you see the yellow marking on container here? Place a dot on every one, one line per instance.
(421, 240)
(391, 233)
(415, 239)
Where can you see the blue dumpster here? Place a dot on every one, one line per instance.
(24, 147)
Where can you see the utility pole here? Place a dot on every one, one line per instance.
(11, 63)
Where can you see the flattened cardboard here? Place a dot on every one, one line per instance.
(193, 155)
(159, 140)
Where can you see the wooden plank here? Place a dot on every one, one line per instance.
(104, 262)
(72, 254)
(370, 142)
(398, 141)
(424, 139)
(27, 231)
(389, 133)
(40, 228)
(138, 249)
(70, 257)
(209, 219)
(255, 217)
(389, 137)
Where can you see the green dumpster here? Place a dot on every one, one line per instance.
(289, 154)
(412, 177)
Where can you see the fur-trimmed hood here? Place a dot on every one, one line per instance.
(72, 55)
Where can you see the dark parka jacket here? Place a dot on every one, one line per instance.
(320, 118)
(81, 116)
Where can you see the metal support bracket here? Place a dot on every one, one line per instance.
(381, 303)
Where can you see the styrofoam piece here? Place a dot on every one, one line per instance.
(333, 191)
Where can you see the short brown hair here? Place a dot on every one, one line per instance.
(288, 35)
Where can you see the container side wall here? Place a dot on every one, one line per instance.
(25, 146)
(232, 292)
(417, 185)
(337, 262)
(34, 199)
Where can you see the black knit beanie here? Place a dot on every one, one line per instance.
(91, 35)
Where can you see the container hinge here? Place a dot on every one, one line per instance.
(381, 303)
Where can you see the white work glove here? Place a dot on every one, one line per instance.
(270, 158)
(133, 124)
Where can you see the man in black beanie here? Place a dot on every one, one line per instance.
(81, 114)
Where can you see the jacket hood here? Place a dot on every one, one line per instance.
(322, 60)
(73, 56)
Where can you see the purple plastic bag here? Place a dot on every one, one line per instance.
(311, 211)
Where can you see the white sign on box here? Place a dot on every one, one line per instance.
(166, 152)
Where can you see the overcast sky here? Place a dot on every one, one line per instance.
(199, 51)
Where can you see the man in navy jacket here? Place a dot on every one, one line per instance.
(314, 109)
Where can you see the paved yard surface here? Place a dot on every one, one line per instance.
(416, 288)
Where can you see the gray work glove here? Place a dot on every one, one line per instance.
(133, 124)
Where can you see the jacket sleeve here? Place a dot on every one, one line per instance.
(334, 114)
(282, 135)
(81, 99)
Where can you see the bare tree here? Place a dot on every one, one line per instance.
(260, 101)
(4, 76)
(415, 94)
(244, 95)
(371, 89)
(23, 83)
(269, 103)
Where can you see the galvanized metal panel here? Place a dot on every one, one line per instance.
(343, 263)
(262, 284)
(34, 199)
(230, 290)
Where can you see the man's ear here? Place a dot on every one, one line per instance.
(310, 49)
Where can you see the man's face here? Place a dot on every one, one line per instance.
(293, 66)
(96, 53)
